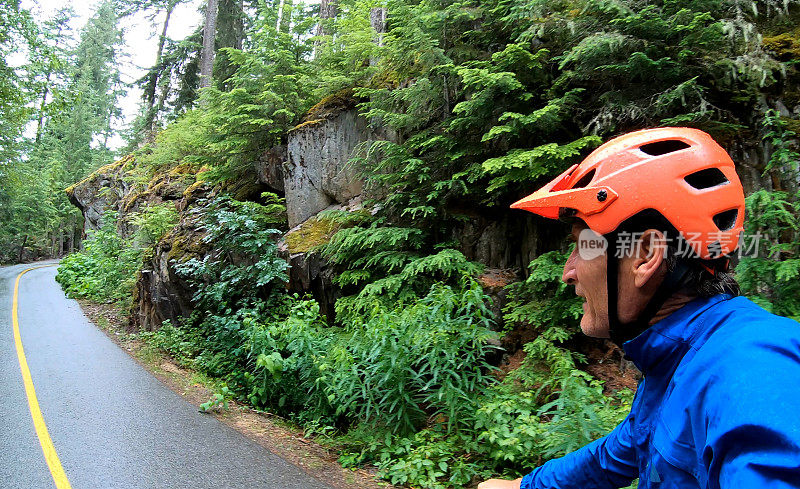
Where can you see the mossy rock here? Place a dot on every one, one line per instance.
(243, 189)
(312, 234)
(123, 165)
(385, 79)
(311, 123)
(786, 46)
(328, 108)
(185, 244)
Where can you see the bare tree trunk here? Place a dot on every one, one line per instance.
(162, 98)
(377, 19)
(60, 242)
(280, 16)
(22, 249)
(71, 236)
(152, 83)
(328, 9)
(45, 93)
(209, 35)
(285, 16)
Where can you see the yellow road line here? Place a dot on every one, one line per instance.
(59, 477)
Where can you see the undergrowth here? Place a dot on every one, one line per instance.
(105, 270)
(405, 386)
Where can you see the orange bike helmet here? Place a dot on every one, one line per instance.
(682, 173)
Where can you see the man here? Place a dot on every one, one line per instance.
(655, 214)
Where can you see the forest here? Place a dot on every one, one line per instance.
(409, 354)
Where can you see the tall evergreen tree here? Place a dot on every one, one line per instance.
(209, 48)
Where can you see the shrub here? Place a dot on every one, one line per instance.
(105, 271)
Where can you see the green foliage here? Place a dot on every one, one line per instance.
(527, 423)
(105, 271)
(431, 459)
(67, 91)
(769, 270)
(544, 409)
(547, 407)
(403, 365)
(389, 265)
(265, 93)
(243, 269)
(238, 291)
(480, 102)
(153, 222)
(543, 301)
(181, 343)
(219, 400)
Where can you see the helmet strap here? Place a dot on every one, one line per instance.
(622, 332)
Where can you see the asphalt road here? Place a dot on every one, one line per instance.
(112, 424)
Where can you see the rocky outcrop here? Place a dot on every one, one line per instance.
(318, 171)
(161, 292)
(308, 269)
(314, 170)
(101, 191)
(269, 168)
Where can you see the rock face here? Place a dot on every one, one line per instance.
(308, 269)
(314, 172)
(100, 192)
(317, 171)
(270, 168)
(161, 293)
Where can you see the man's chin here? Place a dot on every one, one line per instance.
(593, 328)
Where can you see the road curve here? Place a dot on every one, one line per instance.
(112, 424)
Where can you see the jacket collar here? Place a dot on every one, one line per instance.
(664, 343)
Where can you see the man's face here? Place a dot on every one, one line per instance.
(586, 270)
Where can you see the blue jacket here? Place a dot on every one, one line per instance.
(719, 407)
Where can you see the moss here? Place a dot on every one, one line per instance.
(792, 124)
(332, 105)
(786, 45)
(185, 245)
(385, 79)
(133, 198)
(305, 124)
(191, 189)
(244, 189)
(182, 170)
(124, 164)
(311, 234)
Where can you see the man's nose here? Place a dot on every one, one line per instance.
(570, 275)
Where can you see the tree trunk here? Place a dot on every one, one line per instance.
(46, 91)
(22, 248)
(42, 106)
(328, 9)
(377, 19)
(71, 236)
(155, 75)
(285, 16)
(209, 35)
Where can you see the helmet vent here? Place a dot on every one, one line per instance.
(585, 180)
(663, 147)
(726, 220)
(708, 178)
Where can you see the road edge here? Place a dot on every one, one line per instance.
(272, 432)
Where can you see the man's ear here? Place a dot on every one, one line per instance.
(650, 255)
